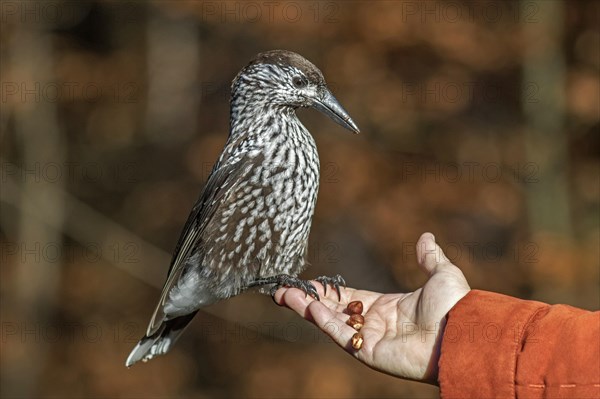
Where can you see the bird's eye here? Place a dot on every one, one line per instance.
(299, 82)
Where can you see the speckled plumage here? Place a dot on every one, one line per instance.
(253, 217)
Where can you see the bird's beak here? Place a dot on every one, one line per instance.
(331, 107)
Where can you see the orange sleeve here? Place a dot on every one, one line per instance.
(495, 346)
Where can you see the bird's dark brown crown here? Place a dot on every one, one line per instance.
(289, 58)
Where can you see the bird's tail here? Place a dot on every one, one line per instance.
(161, 341)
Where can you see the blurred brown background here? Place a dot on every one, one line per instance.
(479, 123)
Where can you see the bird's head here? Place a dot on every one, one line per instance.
(285, 79)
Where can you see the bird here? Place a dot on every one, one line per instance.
(250, 226)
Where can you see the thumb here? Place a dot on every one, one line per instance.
(429, 254)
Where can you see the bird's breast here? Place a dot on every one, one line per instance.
(263, 226)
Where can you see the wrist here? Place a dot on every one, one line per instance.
(436, 353)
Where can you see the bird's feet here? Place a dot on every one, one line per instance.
(285, 280)
(335, 281)
(295, 282)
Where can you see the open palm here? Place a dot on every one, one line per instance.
(402, 332)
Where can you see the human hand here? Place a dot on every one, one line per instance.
(402, 332)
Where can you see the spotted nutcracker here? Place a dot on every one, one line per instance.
(250, 226)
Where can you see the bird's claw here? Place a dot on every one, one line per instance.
(336, 281)
(294, 282)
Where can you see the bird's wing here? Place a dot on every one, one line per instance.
(222, 179)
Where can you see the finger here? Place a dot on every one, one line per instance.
(331, 293)
(429, 254)
(278, 297)
(336, 304)
(297, 300)
(331, 300)
(333, 324)
(293, 298)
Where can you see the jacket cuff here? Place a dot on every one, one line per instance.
(482, 337)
